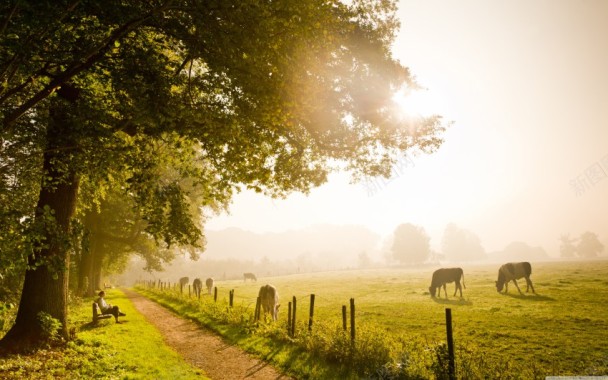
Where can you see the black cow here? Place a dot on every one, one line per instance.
(444, 276)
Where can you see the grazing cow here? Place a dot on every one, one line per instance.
(269, 300)
(249, 276)
(183, 282)
(209, 284)
(512, 272)
(443, 276)
(197, 285)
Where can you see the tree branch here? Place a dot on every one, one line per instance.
(89, 59)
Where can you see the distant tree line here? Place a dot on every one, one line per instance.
(587, 245)
(411, 246)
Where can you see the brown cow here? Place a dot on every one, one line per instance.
(269, 300)
(512, 272)
(197, 285)
(443, 276)
(249, 276)
(183, 282)
(209, 284)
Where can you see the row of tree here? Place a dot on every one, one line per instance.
(125, 123)
(411, 245)
(587, 245)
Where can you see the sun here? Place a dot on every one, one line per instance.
(416, 103)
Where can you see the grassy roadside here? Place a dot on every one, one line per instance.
(133, 349)
(268, 343)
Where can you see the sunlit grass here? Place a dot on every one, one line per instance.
(561, 330)
(131, 350)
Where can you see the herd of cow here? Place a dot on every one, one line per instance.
(269, 295)
(507, 272)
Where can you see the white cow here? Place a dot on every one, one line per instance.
(269, 300)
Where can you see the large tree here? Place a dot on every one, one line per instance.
(113, 224)
(567, 247)
(589, 245)
(275, 95)
(459, 244)
(411, 244)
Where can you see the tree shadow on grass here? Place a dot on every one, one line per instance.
(529, 297)
(455, 301)
(261, 364)
(100, 324)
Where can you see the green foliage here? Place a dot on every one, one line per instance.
(7, 315)
(50, 326)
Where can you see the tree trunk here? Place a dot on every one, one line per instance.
(45, 288)
(92, 257)
(96, 261)
(84, 273)
(83, 261)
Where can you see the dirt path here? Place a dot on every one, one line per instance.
(202, 348)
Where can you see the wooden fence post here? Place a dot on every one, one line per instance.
(344, 317)
(352, 319)
(215, 293)
(189, 291)
(289, 319)
(451, 361)
(312, 311)
(293, 319)
(231, 296)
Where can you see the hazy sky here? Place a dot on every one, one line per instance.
(525, 83)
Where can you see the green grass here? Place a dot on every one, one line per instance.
(133, 349)
(562, 330)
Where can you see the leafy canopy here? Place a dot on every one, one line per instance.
(270, 95)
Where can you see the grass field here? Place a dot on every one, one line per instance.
(562, 330)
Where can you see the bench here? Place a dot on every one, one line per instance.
(97, 315)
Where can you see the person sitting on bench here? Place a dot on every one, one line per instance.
(107, 308)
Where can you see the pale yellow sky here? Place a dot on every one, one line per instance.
(526, 84)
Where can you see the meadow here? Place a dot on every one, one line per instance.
(561, 330)
(401, 332)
